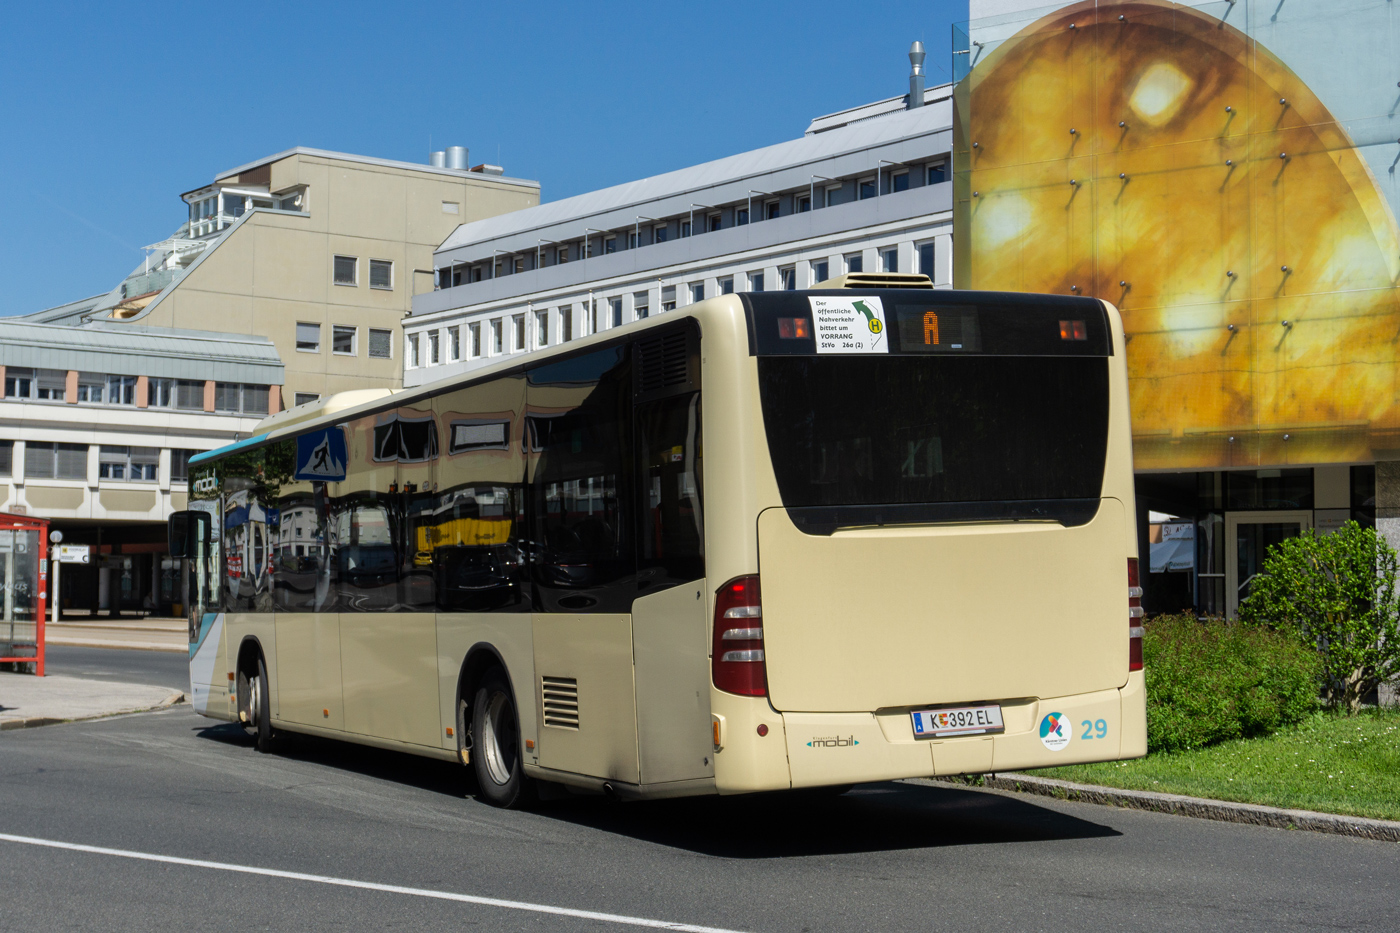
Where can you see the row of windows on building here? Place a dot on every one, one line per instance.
(508, 334)
(103, 389)
(50, 460)
(347, 272)
(345, 340)
(51, 385)
(829, 193)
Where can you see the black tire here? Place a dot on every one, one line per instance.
(263, 736)
(495, 754)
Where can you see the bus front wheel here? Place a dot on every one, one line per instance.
(496, 744)
(254, 712)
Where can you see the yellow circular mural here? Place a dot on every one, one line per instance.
(1156, 157)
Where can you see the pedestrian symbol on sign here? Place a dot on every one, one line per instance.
(321, 455)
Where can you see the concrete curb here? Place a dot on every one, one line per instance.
(34, 722)
(1223, 810)
(129, 645)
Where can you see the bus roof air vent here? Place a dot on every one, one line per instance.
(877, 280)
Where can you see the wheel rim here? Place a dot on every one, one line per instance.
(498, 738)
(254, 702)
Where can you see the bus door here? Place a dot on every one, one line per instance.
(578, 434)
(670, 614)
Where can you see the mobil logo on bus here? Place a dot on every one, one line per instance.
(833, 741)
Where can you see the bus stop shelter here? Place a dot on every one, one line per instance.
(24, 572)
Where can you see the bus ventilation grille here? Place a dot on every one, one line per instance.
(663, 362)
(560, 696)
(877, 280)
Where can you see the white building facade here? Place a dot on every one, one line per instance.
(97, 426)
(864, 190)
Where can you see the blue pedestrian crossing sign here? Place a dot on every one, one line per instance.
(321, 455)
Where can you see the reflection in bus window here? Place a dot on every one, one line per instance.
(473, 539)
(580, 436)
(671, 537)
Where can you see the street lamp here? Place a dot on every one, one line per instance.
(752, 192)
(587, 247)
(878, 190)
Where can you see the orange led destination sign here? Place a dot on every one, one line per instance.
(950, 329)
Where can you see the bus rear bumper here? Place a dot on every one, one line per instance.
(826, 749)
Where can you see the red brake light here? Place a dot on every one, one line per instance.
(737, 662)
(794, 328)
(1134, 617)
(1073, 330)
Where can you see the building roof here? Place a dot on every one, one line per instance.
(369, 160)
(879, 108)
(70, 313)
(128, 349)
(807, 151)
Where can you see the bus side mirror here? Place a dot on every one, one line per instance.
(188, 533)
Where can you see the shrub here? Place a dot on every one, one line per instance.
(1335, 594)
(1211, 681)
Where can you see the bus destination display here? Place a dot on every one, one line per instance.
(946, 329)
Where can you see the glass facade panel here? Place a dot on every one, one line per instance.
(1209, 168)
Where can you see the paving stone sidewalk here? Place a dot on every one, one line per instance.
(27, 701)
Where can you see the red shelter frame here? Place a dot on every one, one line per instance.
(41, 554)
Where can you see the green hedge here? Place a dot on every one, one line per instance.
(1211, 681)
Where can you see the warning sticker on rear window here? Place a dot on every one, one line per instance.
(849, 325)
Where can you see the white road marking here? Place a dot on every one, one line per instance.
(368, 885)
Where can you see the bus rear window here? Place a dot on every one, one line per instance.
(850, 433)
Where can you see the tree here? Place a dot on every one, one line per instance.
(1337, 594)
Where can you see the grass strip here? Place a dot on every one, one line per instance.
(1329, 763)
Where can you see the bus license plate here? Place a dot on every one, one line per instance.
(957, 720)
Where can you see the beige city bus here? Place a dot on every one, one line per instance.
(797, 539)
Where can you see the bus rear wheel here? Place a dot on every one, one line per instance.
(495, 754)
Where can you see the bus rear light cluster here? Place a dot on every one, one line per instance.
(1134, 617)
(737, 661)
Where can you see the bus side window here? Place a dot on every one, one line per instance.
(245, 530)
(579, 435)
(476, 537)
(671, 536)
(299, 561)
(364, 564)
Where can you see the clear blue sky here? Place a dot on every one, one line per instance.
(111, 110)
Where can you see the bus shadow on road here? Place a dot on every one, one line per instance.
(868, 818)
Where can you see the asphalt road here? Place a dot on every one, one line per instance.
(157, 668)
(890, 856)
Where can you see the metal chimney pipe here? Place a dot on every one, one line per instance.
(457, 157)
(438, 159)
(916, 76)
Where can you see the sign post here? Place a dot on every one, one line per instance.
(55, 536)
(65, 554)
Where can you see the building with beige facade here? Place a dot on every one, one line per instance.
(288, 280)
(320, 252)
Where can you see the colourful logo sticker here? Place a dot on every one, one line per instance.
(1054, 731)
